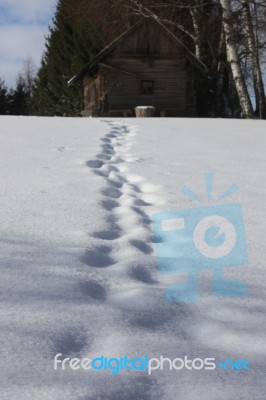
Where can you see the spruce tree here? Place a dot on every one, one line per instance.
(68, 48)
(4, 98)
(19, 98)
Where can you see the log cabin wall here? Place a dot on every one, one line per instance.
(147, 68)
(172, 87)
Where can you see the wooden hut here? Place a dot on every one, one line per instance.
(146, 66)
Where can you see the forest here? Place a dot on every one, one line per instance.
(228, 36)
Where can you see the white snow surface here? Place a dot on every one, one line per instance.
(78, 263)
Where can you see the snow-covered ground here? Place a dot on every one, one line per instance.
(78, 259)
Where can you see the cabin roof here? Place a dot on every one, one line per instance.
(189, 54)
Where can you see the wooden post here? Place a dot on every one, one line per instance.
(144, 111)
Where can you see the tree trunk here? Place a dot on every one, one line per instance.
(194, 12)
(233, 59)
(256, 70)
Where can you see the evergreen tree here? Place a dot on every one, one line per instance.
(68, 47)
(19, 98)
(4, 98)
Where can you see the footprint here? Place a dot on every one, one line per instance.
(109, 152)
(99, 257)
(92, 289)
(157, 239)
(115, 184)
(149, 321)
(104, 157)
(111, 234)
(106, 140)
(141, 246)
(141, 203)
(145, 218)
(107, 147)
(112, 192)
(69, 343)
(141, 274)
(94, 164)
(100, 173)
(109, 205)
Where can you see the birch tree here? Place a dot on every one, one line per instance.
(234, 61)
(255, 60)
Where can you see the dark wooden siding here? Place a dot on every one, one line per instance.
(150, 54)
(148, 39)
(172, 91)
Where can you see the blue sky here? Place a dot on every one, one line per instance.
(23, 26)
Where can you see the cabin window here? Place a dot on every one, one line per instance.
(147, 87)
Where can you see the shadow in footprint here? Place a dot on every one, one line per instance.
(106, 140)
(109, 205)
(100, 173)
(141, 203)
(107, 147)
(149, 321)
(115, 184)
(92, 289)
(104, 157)
(145, 219)
(112, 192)
(108, 234)
(94, 164)
(98, 258)
(141, 246)
(142, 275)
(69, 344)
(135, 188)
(157, 239)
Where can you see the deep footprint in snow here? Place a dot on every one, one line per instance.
(107, 148)
(100, 173)
(104, 157)
(112, 192)
(94, 164)
(149, 321)
(112, 234)
(141, 246)
(141, 274)
(115, 184)
(141, 203)
(69, 343)
(106, 140)
(109, 205)
(99, 257)
(92, 289)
